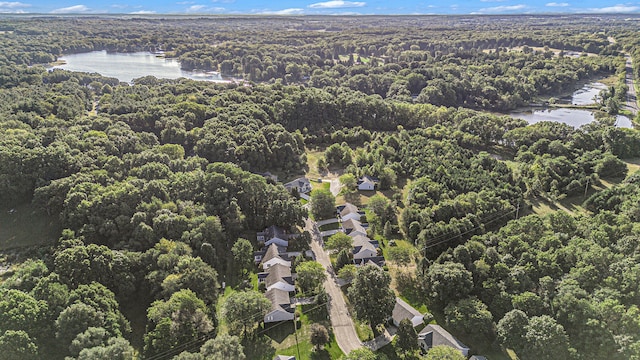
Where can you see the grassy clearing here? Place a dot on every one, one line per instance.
(290, 340)
(22, 226)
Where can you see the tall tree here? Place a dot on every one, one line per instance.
(311, 275)
(407, 338)
(224, 346)
(319, 335)
(17, 345)
(244, 310)
(339, 241)
(371, 295)
(323, 204)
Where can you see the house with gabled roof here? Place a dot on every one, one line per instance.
(272, 257)
(350, 211)
(273, 234)
(402, 311)
(353, 227)
(302, 185)
(280, 277)
(367, 183)
(363, 248)
(434, 335)
(281, 309)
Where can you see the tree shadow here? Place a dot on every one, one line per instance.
(258, 347)
(320, 354)
(279, 331)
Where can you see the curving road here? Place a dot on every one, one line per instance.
(341, 322)
(632, 100)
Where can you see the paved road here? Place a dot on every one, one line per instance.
(632, 100)
(341, 321)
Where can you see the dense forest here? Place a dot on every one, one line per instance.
(154, 187)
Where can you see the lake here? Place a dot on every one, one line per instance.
(573, 117)
(585, 95)
(128, 66)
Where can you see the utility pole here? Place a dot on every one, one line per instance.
(518, 209)
(295, 331)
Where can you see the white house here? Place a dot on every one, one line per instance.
(402, 311)
(272, 257)
(279, 277)
(434, 335)
(363, 248)
(349, 212)
(302, 185)
(367, 183)
(281, 309)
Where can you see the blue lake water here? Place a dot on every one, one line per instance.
(128, 66)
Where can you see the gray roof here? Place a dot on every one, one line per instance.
(352, 225)
(284, 357)
(348, 209)
(440, 336)
(402, 311)
(477, 357)
(298, 183)
(272, 252)
(276, 273)
(279, 300)
(361, 242)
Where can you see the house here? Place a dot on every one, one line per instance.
(272, 232)
(376, 261)
(434, 335)
(402, 311)
(367, 183)
(350, 211)
(279, 277)
(278, 241)
(363, 248)
(353, 227)
(272, 257)
(302, 185)
(281, 309)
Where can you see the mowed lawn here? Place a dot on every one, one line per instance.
(22, 226)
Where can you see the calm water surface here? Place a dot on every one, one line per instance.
(573, 117)
(128, 66)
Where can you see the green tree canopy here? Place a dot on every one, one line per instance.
(371, 295)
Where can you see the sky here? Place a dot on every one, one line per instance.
(319, 7)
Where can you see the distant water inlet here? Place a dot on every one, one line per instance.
(128, 66)
(586, 95)
(573, 117)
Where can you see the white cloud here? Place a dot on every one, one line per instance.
(290, 11)
(13, 5)
(185, 2)
(72, 10)
(337, 4)
(616, 9)
(204, 9)
(195, 8)
(555, 4)
(501, 9)
(143, 12)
